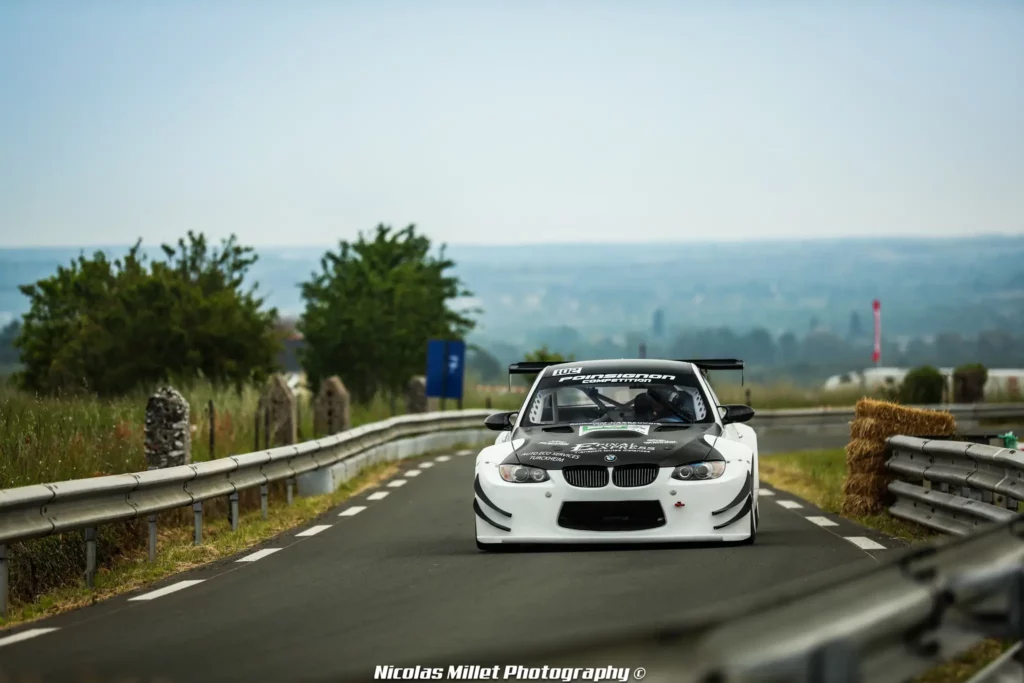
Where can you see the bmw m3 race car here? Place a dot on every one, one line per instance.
(618, 451)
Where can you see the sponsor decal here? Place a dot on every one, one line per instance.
(534, 454)
(554, 458)
(617, 447)
(658, 441)
(552, 443)
(616, 377)
(566, 371)
(616, 426)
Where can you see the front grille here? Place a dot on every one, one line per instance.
(586, 476)
(634, 475)
(629, 515)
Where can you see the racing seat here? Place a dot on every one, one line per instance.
(643, 408)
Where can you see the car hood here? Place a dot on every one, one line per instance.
(607, 444)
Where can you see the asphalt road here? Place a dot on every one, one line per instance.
(401, 582)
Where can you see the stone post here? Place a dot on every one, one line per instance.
(168, 432)
(416, 395)
(282, 412)
(331, 411)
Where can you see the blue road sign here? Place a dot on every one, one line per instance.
(445, 368)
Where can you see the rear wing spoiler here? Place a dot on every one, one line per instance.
(706, 364)
(529, 367)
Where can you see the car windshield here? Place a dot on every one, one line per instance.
(558, 401)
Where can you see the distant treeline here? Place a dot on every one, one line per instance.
(808, 358)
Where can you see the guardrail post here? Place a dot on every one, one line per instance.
(290, 488)
(835, 662)
(197, 508)
(152, 538)
(264, 490)
(4, 570)
(90, 557)
(233, 498)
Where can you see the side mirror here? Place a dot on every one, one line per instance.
(500, 422)
(737, 413)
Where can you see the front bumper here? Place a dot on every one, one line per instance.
(556, 512)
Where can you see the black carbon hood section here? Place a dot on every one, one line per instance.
(664, 445)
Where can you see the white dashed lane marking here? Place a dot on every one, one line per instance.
(413, 473)
(167, 590)
(258, 555)
(822, 521)
(313, 530)
(443, 458)
(765, 492)
(464, 453)
(396, 483)
(377, 496)
(354, 510)
(25, 635)
(425, 465)
(864, 543)
(789, 504)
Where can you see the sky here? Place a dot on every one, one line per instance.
(485, 122)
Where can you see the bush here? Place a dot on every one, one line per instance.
(969, 383)
(922, 385)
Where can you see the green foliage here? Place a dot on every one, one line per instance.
(969, 383)
(110, 326)
(483, 365)
(922, 385)
(372, 309)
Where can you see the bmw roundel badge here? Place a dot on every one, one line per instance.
(610, 457)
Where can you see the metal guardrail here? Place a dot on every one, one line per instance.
(954, 486)
(962, 412)
(885, 624)
(40, 510)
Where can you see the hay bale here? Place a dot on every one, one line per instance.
(859, 449)
(872, 429)
(904, 419)
(872, 463)
(858, 506)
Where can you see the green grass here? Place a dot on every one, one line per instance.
(818, 476)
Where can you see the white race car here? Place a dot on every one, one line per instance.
(634, 451)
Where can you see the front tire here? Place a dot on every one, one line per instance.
(753, 527)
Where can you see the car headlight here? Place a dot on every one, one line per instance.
(699, 471)
(521, 474)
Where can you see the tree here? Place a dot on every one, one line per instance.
(373, 307)
(483, 364)
(109, 326)
(969, 383)
(922, 385)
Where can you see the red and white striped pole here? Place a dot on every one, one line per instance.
(877, 355)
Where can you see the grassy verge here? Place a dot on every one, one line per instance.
(175, 552)
(817, 476)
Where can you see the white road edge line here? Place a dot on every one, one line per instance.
(314, 530)
(864, 543)
(822, 521)
(354, 510)
(443, 458)
(765, 492)
(413, 473)
(789, 504)
(396, 483)
(167, 590)
(258, 555)
(25, 635)
(378, 495)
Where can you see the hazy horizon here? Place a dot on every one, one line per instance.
(530, 123)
